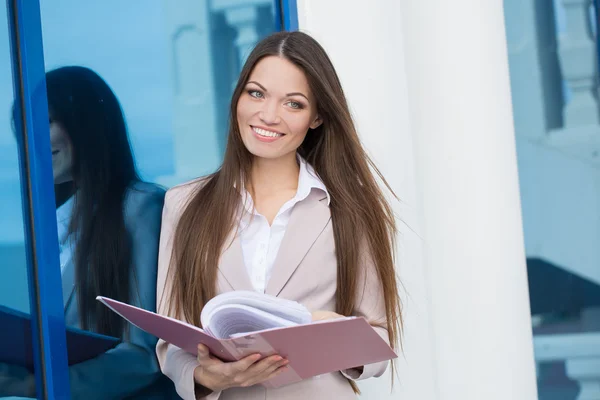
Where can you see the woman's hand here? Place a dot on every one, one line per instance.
(217, 375)
(321, 315)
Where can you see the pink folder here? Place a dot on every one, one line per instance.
(312, 349)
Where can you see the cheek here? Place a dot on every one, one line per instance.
(70, 152)
(299, 124)
(58, 137)
(54, 136)
(245, 109)
(239, 109)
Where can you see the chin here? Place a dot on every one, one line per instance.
(265, 154)
(61, 177)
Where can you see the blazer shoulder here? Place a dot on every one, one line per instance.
(179, 196)
(142, 198)
(143, 203)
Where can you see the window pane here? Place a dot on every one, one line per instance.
(553, 66)
(138, 95)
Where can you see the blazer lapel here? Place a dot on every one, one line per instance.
(232, 265)
(308, 219)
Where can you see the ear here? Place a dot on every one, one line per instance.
(316, 123)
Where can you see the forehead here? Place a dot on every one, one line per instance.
(277, 74)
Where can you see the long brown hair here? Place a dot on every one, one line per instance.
(336, 154)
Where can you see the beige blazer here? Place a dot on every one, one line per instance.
(305, 271)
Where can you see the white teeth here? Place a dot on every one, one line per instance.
(263, 132)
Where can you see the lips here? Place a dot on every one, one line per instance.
(266, 132)
(266, 135)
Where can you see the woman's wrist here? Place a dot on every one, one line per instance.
(203, 381)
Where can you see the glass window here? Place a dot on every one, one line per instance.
(138, 101)
(554, 77)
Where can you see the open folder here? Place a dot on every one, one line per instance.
(16, 341)
(244, 323)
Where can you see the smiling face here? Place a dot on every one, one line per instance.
(62, 153)
(276, 109)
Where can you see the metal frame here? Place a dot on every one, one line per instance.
(288, 13)
(37, 194)
(596, 5)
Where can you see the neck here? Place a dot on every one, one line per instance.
(271, 175)
(63, 191)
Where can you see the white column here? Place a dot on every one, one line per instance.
(536, 81)
(579, 63)
(243, 16)
(461, 116)
(195, 127)
(364, 41)
(428, 84)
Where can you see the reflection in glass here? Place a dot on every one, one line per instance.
(173, 66)
(108, 222)
(554, 79)
(108, 227)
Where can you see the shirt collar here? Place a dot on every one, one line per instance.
(63, 218)
(308, 180)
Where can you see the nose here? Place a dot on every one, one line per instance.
(269, 114)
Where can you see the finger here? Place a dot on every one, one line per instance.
(270, 375)
(325, 315)
(245, 363)
(277, 372)
(260, 374)
(320, 315)
(203, 353)
(273, 367)
(256, 372)
(265, 364)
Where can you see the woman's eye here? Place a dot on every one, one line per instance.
(255, 93)
(295, 105)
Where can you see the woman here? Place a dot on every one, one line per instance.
(108, 227)
(294, 211)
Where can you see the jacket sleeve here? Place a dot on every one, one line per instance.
(175, 363)
(371, 305)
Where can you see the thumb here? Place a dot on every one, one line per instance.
(203, 353)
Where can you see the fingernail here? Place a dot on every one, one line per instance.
(277, 358)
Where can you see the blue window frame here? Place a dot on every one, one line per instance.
(287, 15)
(35, 164)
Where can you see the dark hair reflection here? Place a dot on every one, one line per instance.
(102, 169)
(108, 224)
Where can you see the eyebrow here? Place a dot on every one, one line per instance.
(289, 94)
